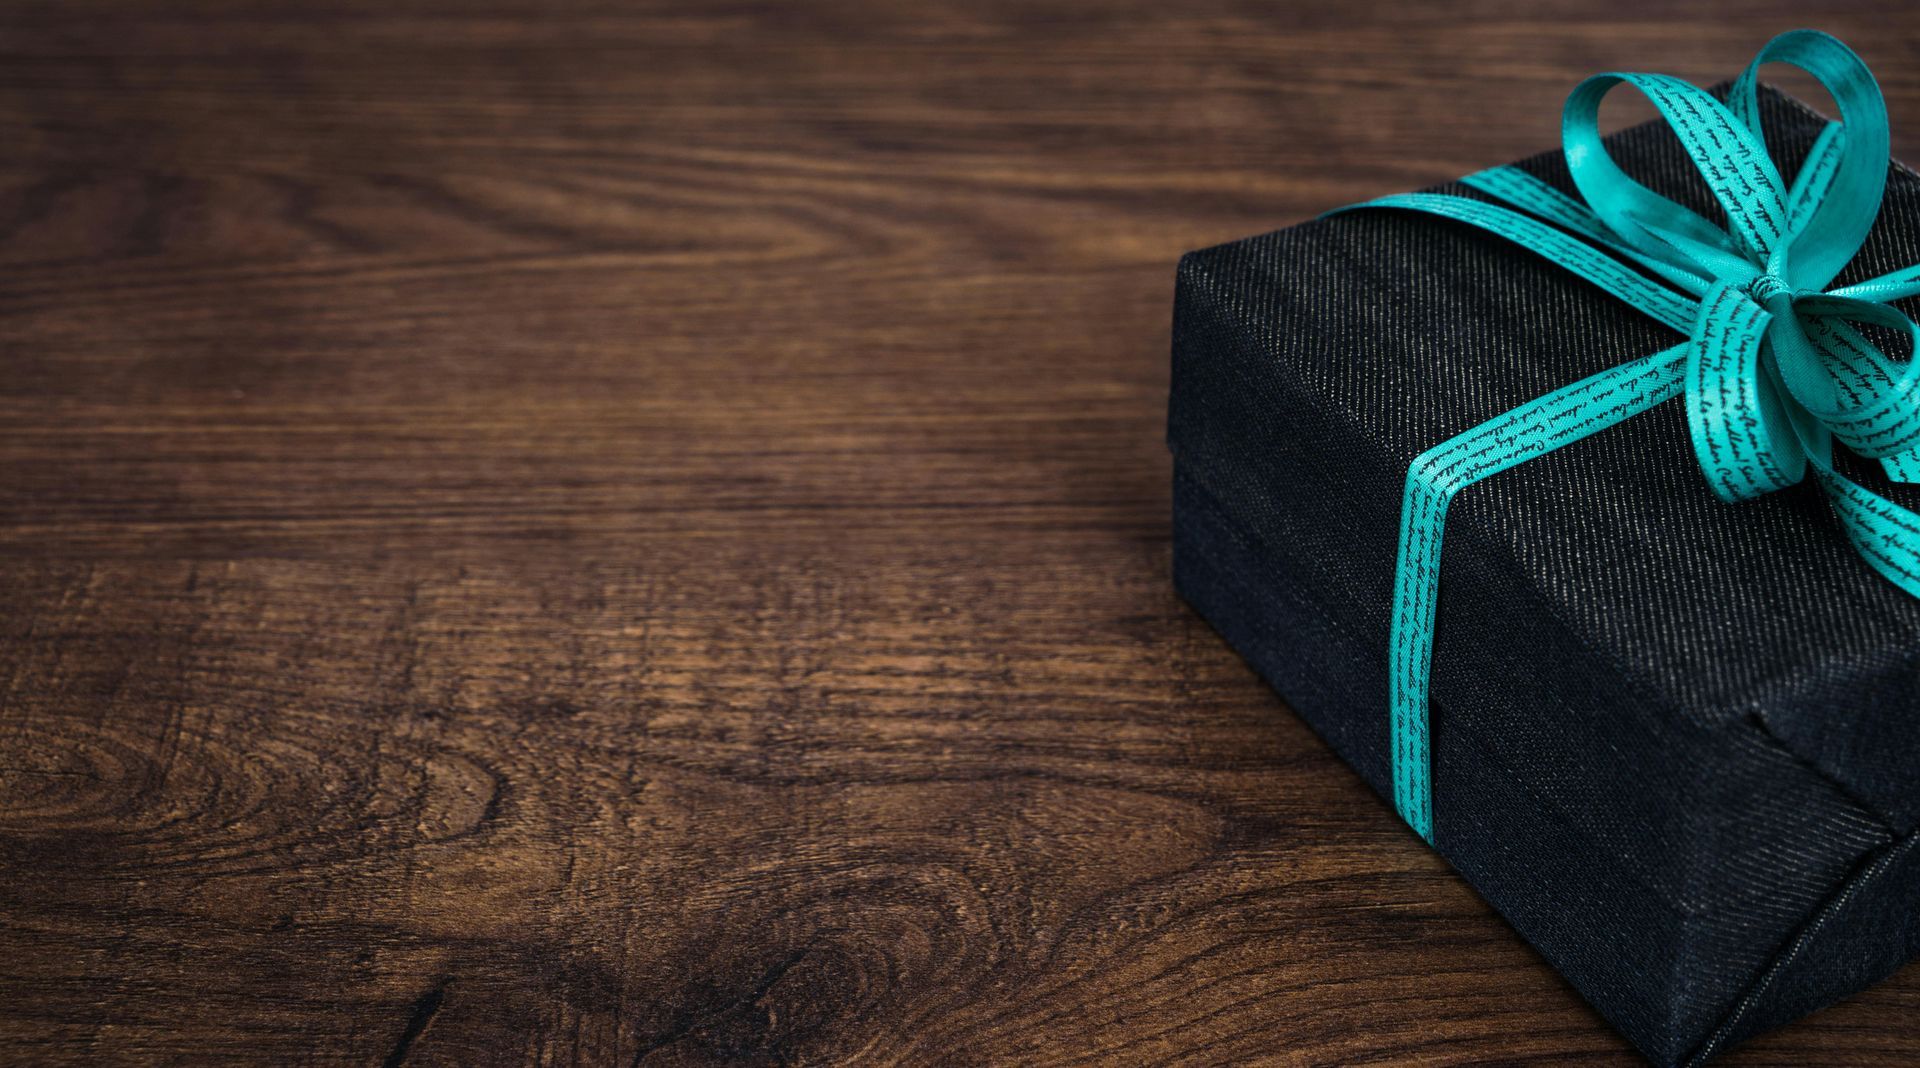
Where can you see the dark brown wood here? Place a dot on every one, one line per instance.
(637, 533)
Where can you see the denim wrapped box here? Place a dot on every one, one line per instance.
(1675, 741)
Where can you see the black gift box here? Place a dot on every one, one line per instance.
(1676, 742)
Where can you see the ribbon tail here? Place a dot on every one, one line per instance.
(1885, 535)
(1902, 467)
(1533, 429)
(1876, 416)
(1892, 286)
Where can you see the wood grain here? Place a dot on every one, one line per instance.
(637, 533)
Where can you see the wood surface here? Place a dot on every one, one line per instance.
(634, 533)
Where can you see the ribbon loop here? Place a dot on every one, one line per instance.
(1844, 180)
(1727, 154)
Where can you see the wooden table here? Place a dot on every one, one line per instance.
(638, 533)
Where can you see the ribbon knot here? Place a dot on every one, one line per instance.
(1776, 367)
(1765, 287)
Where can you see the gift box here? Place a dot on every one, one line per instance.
(1674, 740)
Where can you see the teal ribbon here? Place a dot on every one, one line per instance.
(1774, 369)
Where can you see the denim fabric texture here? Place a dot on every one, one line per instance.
(1675, 740)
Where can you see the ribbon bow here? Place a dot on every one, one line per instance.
(1774, 368)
